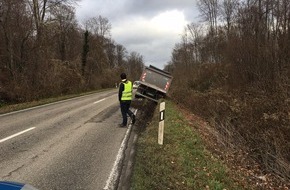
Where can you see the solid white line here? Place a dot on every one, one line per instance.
(111, 181)
(99, 101)
(114, 172)
(17, 134)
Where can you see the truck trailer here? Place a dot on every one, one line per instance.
(154, 83)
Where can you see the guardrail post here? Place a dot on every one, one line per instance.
(161, 123)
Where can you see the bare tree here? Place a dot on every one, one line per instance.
(64, 18)
(121, 55)
(41, 8)
(85, 52)
(99, 26)
(111, 53)
(43, 51)
(135, 65)
(195, 36)
(228, 10)
(209, 12)
(15, 27)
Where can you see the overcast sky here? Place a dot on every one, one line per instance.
(149, 27)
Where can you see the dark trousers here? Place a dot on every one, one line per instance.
(125, 110)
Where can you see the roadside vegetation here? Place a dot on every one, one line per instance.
(233, 71)
(182, 162)
(45, 52)
(195, 155)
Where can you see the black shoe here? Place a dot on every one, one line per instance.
(121, 125)
(133, 119)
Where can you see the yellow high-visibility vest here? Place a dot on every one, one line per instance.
(127, 93)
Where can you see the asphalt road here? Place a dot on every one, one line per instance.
(71, 144)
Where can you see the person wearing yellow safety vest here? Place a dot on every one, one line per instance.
(125, 98)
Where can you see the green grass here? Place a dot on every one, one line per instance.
(181, 162)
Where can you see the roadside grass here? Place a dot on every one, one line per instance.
(182, 162)
(5, 108)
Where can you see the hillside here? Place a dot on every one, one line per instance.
(194, 156)
(249, 118)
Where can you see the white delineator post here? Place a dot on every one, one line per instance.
(161, 123)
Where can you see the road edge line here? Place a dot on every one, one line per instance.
(115, 172)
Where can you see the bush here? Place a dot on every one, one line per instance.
(255, 117)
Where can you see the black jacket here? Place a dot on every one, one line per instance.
(121, 89)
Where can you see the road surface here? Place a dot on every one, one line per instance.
(71, 144)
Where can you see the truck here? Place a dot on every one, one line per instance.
(154, 83)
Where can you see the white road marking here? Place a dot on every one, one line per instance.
(17, 134)
(99, 101)
(20, 133)
(40, 106)
(115, 173)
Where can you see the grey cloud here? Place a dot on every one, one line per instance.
(156, 51)
(117, 9)
(156, 48)
(157, 6)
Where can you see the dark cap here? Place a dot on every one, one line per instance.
(123, 76)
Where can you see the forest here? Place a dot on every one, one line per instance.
(233, 69)
(46, 52)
